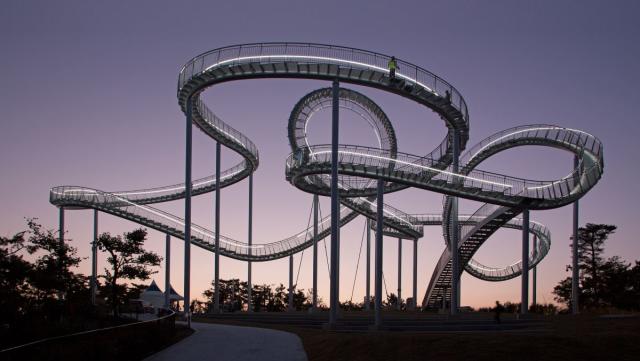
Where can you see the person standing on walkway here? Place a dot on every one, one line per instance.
(498, 310)
(393, 65)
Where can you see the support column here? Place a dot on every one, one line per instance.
(378, 261)
(60, 245)
(335, 208)
(534, 282)
(167, 272)
(455, 266)
(524, 302)
(367, 300)
(94, 258)
(250, 241)
(216, 266)
(399, 274)
(314, 302)
(187, 218)
(575, 274)
(290, 304)
(415, 274)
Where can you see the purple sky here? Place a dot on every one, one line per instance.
(88, 97)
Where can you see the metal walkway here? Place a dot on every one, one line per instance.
(308, 167)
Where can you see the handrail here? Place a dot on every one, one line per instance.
(379, 60)
(49, 339)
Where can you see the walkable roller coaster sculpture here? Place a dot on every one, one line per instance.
(364, 174)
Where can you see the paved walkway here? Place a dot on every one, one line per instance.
(224, 342)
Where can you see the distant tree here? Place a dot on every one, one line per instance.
(591, 240)
(230, 294)
(545, 309)
(351, 306)
(591, 264)
(52, 276)
(300, 300)
(14, 278)
(392, 301)
(128, 261)
(278, 300)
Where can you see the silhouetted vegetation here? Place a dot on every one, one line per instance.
(274, 298)
(271, 298)
(42, 295)
(128, 261)
(603, 283)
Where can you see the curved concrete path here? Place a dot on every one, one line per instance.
(224, 342)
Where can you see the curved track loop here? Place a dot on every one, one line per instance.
(308, 167)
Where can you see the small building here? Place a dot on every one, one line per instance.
(154, 296)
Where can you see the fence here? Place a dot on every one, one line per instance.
(131, 341)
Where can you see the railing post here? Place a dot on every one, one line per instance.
(335, 208)
(187, 216)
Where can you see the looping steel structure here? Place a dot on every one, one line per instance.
(308, 167)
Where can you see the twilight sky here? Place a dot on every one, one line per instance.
(88, 97)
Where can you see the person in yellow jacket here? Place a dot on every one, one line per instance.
(393, 65)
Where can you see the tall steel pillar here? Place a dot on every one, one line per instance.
(335, 208)
(61, 227)
(216, 277)
(524, 302)
(378, 260)
(399, 274)
(575, 274)
(187, 217)
(415, 274)
(367, 300)
(94, 258)
(455, 232)
(314, 301)
(167, 272)
(534, 282)
(290, 304)
(250, 241)
(60, 246)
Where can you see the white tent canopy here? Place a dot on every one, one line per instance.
(153, 295)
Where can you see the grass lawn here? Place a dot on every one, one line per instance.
(584, 337)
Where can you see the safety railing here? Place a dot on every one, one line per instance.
(538, 132)
(228, 131)
(352, 58)
(201, 236)
(412, 166)
(177, 191)
(130, 341)
(536, 255)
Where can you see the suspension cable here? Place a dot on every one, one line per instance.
(306, 237)
(324, 241)
(358, 263)
(385, 285)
